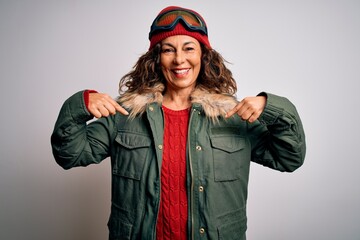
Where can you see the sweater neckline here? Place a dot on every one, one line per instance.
(180, 112)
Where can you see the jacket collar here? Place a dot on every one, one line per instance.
(214, 105)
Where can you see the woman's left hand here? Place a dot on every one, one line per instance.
(249, 109)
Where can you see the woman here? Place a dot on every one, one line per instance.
(180, 144)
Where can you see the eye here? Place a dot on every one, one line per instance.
(189, 49)
(167, 50)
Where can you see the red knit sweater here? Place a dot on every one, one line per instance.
(172, 219)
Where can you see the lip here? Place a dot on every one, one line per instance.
(180, 72)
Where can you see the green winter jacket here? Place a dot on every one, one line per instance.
(219, 152)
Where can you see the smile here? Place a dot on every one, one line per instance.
(181, 72)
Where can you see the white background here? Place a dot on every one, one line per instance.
(306, 50)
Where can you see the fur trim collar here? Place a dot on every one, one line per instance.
(214, 105)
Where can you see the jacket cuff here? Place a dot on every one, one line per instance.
(75, 107)
(273, 108)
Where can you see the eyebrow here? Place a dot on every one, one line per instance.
(186, 43)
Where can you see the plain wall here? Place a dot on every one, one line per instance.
(306, 50)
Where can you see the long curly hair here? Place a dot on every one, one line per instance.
(214, 76)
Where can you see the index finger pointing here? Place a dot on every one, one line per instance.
(119, 108)
(234, 110)
(230, 113)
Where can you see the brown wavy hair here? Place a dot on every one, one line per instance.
(214, 76)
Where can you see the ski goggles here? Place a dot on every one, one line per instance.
(168, 20)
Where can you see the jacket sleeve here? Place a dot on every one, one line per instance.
(75, 142)
(278, 138)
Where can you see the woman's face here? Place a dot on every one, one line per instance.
(180, 60)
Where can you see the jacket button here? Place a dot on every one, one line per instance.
(151, 108)
(202, 230)
(198, 148)
(160, 146)
(201, 188)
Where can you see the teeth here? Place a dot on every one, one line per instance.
(181, 71)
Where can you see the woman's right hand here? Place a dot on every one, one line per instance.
(102, 105)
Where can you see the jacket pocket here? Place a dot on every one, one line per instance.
(233, 225)
(227, 154)
(119, 230)
(131, 155)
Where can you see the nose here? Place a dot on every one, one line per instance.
(179, 57)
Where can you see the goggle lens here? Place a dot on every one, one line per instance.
(170, 17)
